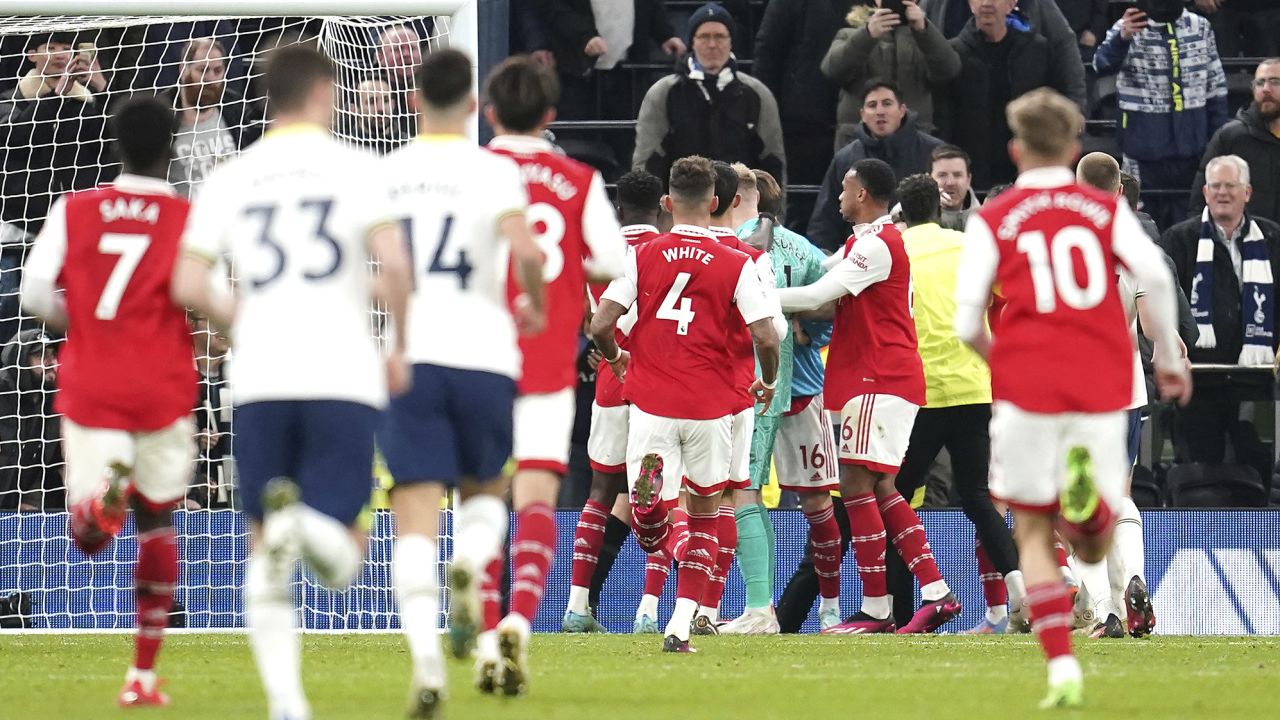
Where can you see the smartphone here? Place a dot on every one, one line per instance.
(895, 6)
(87, 52)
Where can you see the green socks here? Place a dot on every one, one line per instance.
(755, 558)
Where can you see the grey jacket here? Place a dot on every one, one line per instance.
(956, 219)
(914, 61)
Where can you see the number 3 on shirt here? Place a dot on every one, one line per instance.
(681, 314)
(548, 239)
(1053, 274)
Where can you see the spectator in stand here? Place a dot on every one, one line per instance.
(212, 483)
(1000, 62)
(879, 43)
(214, 122)
(1244, 27)
(1227, 261)
(1088, 20)
(371, 122)
(1168, 113)
(30, 432)
(949, 167)
(528, 33)
(709, 108)
(793, 39)
(1132, 190)
(887, 132)
(1255, 136)
(1043, 17)
(588, 35)
(398, 54)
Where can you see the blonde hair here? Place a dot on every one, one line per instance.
(1046, 123)
(746, 178)
(1099, 170)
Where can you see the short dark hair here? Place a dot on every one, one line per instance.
(726, 186)
(950, 152)
(639, 190)
(521, 91)
(877, 177)
(996, 190)
(143, 129)
(877, 83)
(443, 78)
(1132, 188)
(919, 198)
(693, 179)
(292, 73)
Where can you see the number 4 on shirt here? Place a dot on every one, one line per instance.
(668, 310)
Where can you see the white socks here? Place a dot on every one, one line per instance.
(997, 614)
(1064, 669)
(648, 606)
(710, 613)
(327, 547)
(273, 636)
(934, 591)
(479, 530)
(578, 600)
(147, 678)
(825, 604)
(413, 566)
(878, 607)
(1096, 586)
(682, 618)
(1128, 541)
(1017, 588)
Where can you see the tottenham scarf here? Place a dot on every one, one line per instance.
(1257, 301)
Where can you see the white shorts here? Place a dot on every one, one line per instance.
(695, 450)
(543, 430)
(804, 453)
(607, 443)
(875, 431)
(162, 460)
(744, 424)
(1029, 454)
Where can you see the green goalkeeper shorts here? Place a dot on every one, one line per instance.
(762, 440)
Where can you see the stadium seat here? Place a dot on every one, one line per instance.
(1144, 489)
(1215, 486)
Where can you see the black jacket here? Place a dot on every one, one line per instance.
(907, 151)
(738, 122)
(794, 36)
(570, 24)
(1181, 242)
(1249, 137)
(30, 432)
(964, 117)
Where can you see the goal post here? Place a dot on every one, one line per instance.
(54, 143)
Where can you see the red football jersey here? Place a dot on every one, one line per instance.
(873, 340)
(688, 289)
(1061, 343)
(608, 389)
(574, 225)
(741, 350)
(128, 362)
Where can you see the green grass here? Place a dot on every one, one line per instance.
(620, 677)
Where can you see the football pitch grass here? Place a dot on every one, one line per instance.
(619, 677)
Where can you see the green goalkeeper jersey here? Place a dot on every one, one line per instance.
(795, 264)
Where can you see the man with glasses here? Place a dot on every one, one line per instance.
(1255, 136)
(708, 108)
(1227, 261)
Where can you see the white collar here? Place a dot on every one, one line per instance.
(721, 230)
(1045, 177)
(693, 231)
(521, 144)
(143, 185)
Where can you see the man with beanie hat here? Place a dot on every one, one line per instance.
(707, 107)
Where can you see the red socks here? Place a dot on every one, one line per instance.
(656, 567)
(824, 536)
(490, 593)
(1060, 550)
(1051, 617)
(1102, 521)
(531, 554)
(678, 537)
(868, 543)
(153, 581)
(587, 540)
(651, 527)
(909, 538)
(993, 587)
(727, 538)
(699, 561)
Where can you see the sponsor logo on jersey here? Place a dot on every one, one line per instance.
(815, 478)
(859, 260)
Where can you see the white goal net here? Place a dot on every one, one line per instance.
(60, 78)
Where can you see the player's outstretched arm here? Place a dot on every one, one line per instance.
(527, 260)
(40, 294)
(811, 297)
(603, 323)
(192, 288)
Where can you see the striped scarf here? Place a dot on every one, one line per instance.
(1257, 302)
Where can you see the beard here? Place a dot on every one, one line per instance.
(1268, 110)
(203, 95)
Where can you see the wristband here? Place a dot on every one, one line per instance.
(768, 386)
(615, 358)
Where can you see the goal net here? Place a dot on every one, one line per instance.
(60, 79)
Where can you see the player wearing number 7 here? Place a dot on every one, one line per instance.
(127, 378)
(1061, 358)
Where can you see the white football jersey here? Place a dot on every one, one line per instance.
(292, 214)
(450, 195)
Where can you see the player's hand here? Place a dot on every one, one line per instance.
(596, 47)
(399, 379)
(529, 320)
(619, 365)
(915, 16)
(1088, 39)
(882, 22)
(1133, 22)
(761, 394)
(1174, 383)
(798, 333)
(593, 359)
(674, 46)
(544, 58)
